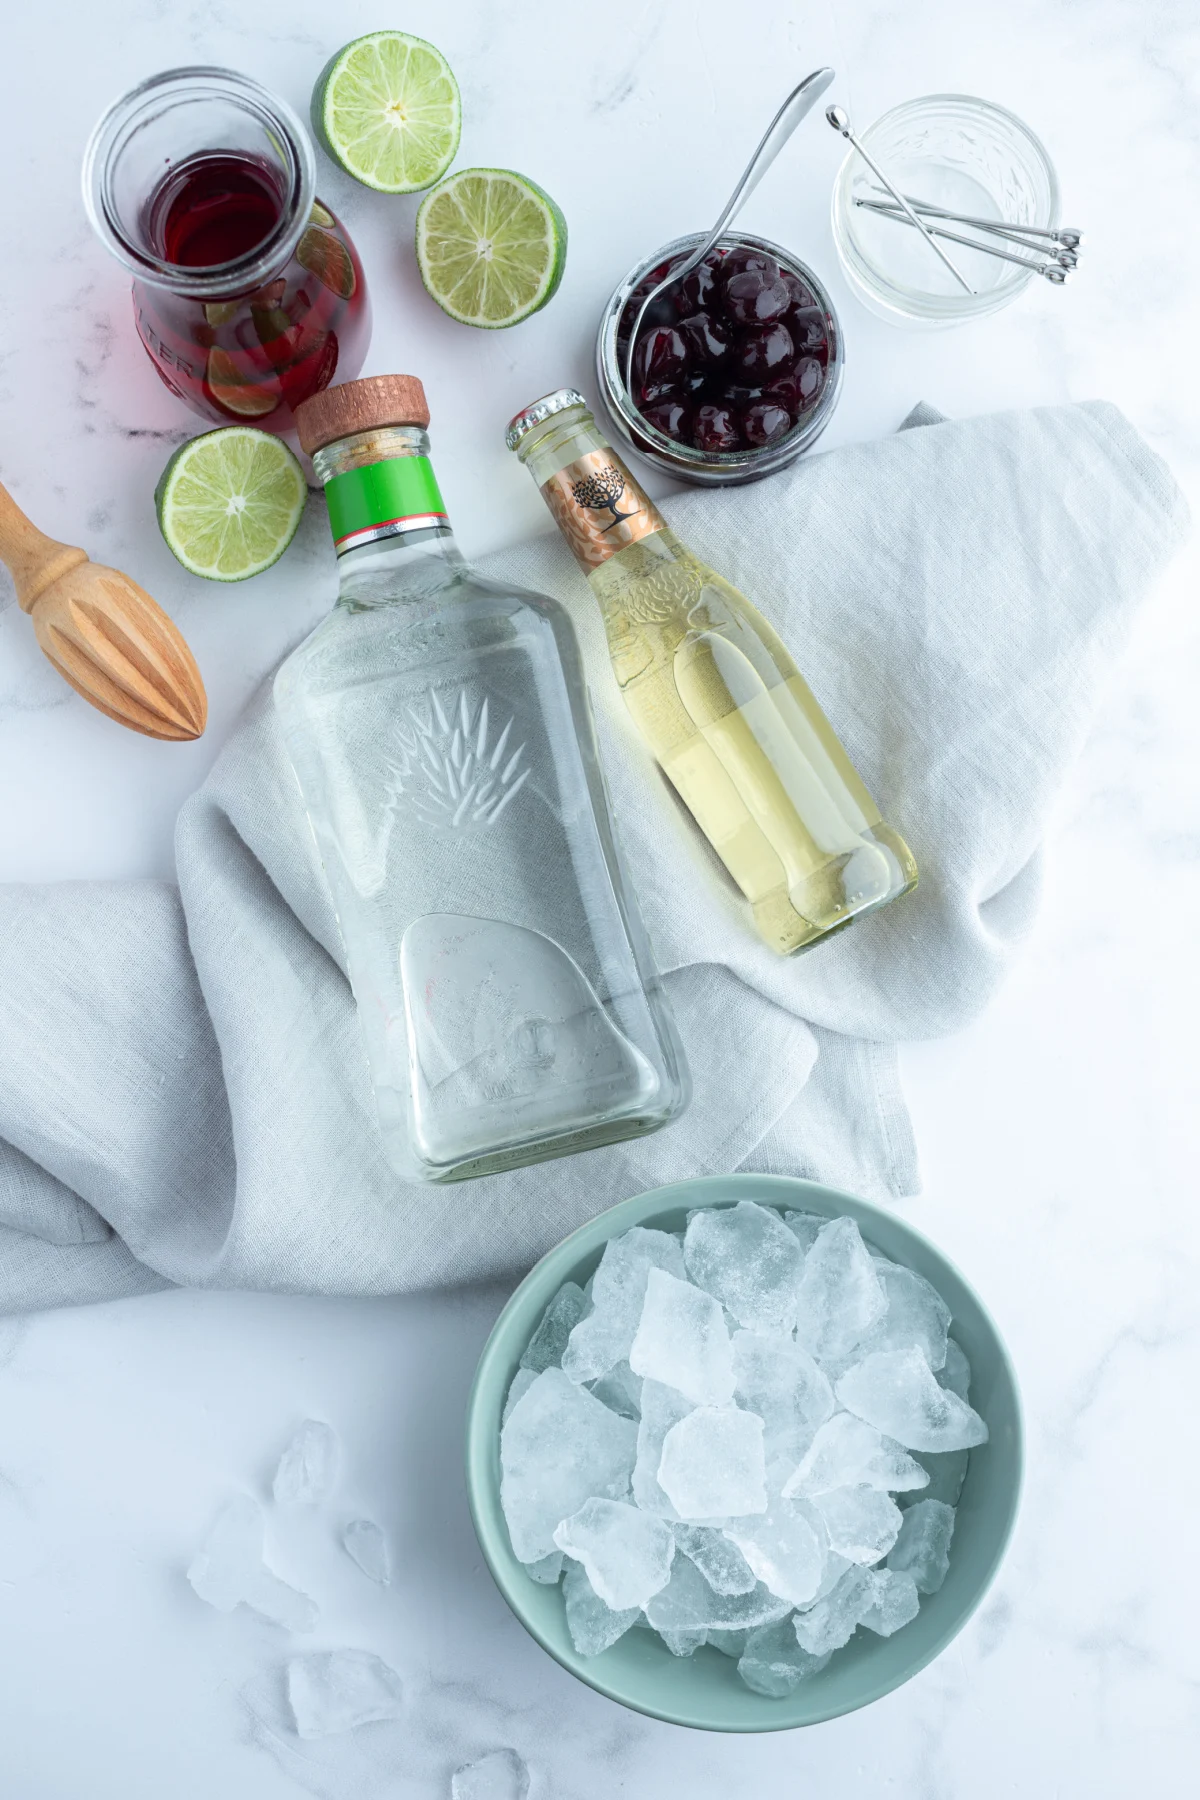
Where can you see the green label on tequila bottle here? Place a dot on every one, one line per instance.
(383, 500)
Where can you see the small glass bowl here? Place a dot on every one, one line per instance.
(951, 151)
(682, 460)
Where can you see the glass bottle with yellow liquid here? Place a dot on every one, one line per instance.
(717, 697)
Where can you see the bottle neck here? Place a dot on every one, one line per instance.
(144, 148)
(595, 501)
(386, 512)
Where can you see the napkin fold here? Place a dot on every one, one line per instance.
(183, 1092)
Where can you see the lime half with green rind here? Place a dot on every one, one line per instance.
(386, 108)
(491, 247)
(229, 502)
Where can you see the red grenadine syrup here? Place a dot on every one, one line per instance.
(254, 357)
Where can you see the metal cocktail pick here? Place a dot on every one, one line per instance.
(840, 120)
(1063, 236)
(1060, 265)
(800, 101)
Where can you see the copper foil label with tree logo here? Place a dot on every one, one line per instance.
(599, 507)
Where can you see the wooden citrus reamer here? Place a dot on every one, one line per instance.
(103, 633)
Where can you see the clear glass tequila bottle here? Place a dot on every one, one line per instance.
(717, 696)
(440, 730)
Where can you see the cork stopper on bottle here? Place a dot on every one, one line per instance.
(366, 405)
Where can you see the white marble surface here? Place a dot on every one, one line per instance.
(1057, 1134)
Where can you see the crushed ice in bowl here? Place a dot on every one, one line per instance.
(749, 1435)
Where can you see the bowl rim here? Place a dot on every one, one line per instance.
(483, 1422)
(911, 304)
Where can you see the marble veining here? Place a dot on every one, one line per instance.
(1057, 1133)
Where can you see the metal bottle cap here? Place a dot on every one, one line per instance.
(370, 404)
(542, 409)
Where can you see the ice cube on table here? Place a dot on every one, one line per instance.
(847, 1452)
(718, 1559)
(774, 1663)
(712, 1465)
(626, 1554)
(916, 1316)
(689, 1603)
(520, 1384)
(620, 1390)
(804, 1227)
(662, 1407)
(308, 1468)
(895, 1603)
(545, 1348)
(593, 1626)
(546, 1570)
(896, 1391)
(365, 1543)
(559, 1448)
(339, 1690)
(605, 1334)
(831, 1622)
(783, 1547)
(746, 1256)
(778, 1380)
(841, 1295)
(682, 1341)
(500, 1775)
(955, 1372)
(861, 1523)
(947, 1472)
(923, 1546)
(228, 1570)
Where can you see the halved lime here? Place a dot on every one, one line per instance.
(229, 502)
(491, 246)
(387, 110)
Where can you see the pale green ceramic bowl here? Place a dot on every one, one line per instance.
(704, 1690)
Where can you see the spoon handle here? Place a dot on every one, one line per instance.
(799, 102)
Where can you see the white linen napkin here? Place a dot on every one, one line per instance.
(183, 1091)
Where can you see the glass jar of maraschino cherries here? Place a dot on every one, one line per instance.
(736, 368)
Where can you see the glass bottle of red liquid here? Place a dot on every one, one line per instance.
(247, 293)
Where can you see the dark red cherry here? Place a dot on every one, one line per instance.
(797, 390)
(696, 290)
(762, 353)
(763, 422)
(807, 326)
(755, 297)
(743, 257)
(659, 359)
(798, 294)
(671, 415)
(695, 383)
(709, 340)
(715, 430)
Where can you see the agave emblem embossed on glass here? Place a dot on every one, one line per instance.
(452, 767)
(439, 728)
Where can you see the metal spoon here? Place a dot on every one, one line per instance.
(1056, 269)
(800, 101)
(840, 120)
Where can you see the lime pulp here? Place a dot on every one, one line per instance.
(229, 502)
(491, 246)
(386, 108)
